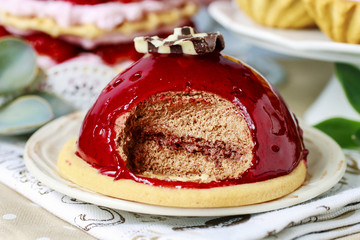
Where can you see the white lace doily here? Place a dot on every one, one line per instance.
(77, 83)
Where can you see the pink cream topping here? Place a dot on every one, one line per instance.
(105, 16)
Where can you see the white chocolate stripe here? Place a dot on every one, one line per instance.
(183, 41)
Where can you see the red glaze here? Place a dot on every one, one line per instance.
(279, 146)
(112, 54)
(3, 32)
(58, 50)
(61, 51)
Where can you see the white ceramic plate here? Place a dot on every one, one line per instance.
(309, 43)
(326, 166)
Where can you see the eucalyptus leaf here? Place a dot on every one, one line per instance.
(344, 131)
(38, 82)
(4, 99)
(59, 106)
(18, 66)
(24, 115)
(349, 77)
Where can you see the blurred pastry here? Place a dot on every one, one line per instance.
(277, 13)
(338, 19)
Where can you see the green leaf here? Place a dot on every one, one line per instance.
(59, 106)
(344, 131)
(356, 137)
(24, 115)
(18, 66)
(349, 77)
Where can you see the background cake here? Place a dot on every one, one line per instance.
(65, 28)
(186, 126)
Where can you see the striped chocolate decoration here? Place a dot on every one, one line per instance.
(183, 41)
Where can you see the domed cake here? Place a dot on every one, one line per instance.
(186, 126)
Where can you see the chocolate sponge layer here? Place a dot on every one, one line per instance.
(193, 136)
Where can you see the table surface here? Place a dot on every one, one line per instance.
(23, 219)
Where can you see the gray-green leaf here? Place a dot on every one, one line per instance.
(59, 106)
(24, 115)
(18, 65)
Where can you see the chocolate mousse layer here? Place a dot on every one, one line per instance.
(190, 135)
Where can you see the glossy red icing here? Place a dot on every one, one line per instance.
(112, 54)
(3, 32)
(60, 50)
(57, 49)
(279, 146)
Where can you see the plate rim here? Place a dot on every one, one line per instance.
(70, 189)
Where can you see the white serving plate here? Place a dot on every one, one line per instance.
(307, 43)
(326, 166)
